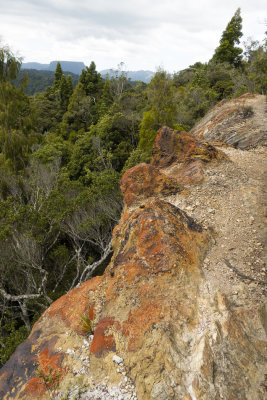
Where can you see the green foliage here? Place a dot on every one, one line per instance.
(38, 81)
(9, 65)
(256, 66)
(47, 110)
(163, 109)
(79, 115)
(49, 380)
(227, 50)
(16, 119)
(11, 336)
(137, 156)
(148, 131)
(87, 324)
(58, 76)
(92, 81)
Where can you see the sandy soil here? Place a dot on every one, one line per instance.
(232, 203)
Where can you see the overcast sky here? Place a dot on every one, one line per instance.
(144, 34)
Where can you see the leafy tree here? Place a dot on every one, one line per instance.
(106, 99)
(92, 81)
(47, 110)
(65, 92)
(69, 86)
(163, 109)
(16, 123)
(227, 50)
(256, 66)
(79, 115)
(9, 65)
(11, 335)
(119, 83)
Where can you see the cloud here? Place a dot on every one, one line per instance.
(142, 33)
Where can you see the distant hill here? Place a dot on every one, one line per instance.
(39, 80)
(76, 68)
(42, 75)
(141, 75)
(67, 66)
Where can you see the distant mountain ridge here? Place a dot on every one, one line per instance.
(39, 80)
(69, 66)
(140, 75)
(76, 68)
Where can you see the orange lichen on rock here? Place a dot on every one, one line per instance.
(139, 321)
(69, 307)
(48, 374)
(173, 146)
(157, 238)
(46, 361)
(35, 388)
(143, 181)
(103, 341)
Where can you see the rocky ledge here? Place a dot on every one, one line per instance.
(179, 312)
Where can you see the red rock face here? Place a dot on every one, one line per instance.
(103, 342)
(49, 366)
(153, 243)
(143, 181)
(179, 147)
(39, 352)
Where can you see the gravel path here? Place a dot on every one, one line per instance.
(231, 202)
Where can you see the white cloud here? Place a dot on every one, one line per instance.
(142, 33)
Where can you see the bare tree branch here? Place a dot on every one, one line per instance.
(90, 268)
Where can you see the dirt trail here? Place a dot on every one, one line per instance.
(232, 202)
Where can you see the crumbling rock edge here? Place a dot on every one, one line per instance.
(171, 320)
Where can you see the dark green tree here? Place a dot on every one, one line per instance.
(9, 65)
(91, 81)
(256, 66)
(163, 109)
(58, 76)
(227, 51)
(79, 116)
(92, 84)
(106, 98)
(16, 136)
(70, 85)
(65, 91)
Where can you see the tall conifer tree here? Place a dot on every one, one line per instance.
(227, 50)
(58, 75)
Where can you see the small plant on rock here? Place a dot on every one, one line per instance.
(49, 380)
(87, 323)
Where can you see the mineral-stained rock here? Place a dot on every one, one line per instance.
(239, 122)
(152, 309)
(143, 181)
(173, 146)
(148, 310)
(20, 377)
(181, 156)
(153, 274)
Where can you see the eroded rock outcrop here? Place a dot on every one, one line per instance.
(143, 181)
(166, 324)
(239, 122)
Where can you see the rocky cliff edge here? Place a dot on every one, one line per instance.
(179, 313)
